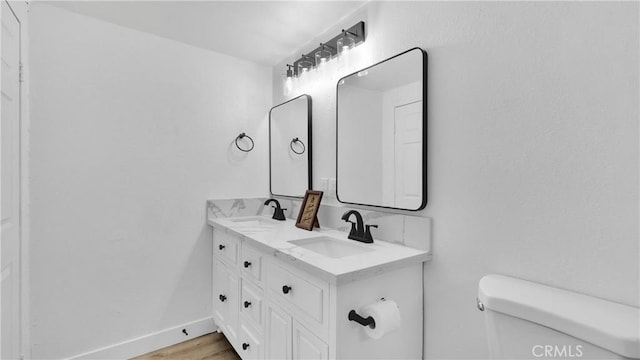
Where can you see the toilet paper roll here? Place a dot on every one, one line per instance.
(386, 314)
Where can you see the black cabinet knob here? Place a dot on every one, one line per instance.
(247, 304)
(221, 247)
(286, 289)
(222, 298)
(247, 264)
(245, 346)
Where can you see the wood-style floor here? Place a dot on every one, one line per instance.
(212, 346)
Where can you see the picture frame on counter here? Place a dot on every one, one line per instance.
(308, 215)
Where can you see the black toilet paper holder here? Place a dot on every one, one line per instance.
(369, 321)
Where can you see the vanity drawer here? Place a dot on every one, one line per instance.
(251, 303)
(250, 341)
(251, 262)
(309, 297)
(226, 247)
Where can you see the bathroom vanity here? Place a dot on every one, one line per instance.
(280, 292)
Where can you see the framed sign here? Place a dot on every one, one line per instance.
(308, 215)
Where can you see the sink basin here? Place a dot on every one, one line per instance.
(330, 247)
(252, 221)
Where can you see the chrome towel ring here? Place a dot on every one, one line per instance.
(296, 140)
(242, 136)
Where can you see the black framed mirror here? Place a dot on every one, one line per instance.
(290, 147)
(381, 134)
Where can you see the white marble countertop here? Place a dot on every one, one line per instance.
(273, 237)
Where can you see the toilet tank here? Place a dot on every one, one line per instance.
(527, 320)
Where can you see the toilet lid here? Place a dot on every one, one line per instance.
(610, 325)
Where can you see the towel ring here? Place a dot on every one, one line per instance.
(242, 136)
(296, 140)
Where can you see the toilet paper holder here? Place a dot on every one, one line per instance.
(369, 321)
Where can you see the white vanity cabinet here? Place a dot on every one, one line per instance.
(270, 307)
(297, 313)
(238, 295)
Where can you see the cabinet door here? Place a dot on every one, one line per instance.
(219, 289)
(250, 341)
(306, 345)
(225, 299)
(278, 334)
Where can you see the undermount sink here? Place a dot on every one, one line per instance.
(330, 247)
(252, 221)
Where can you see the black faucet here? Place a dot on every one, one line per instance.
(278, 213)
(359, 231)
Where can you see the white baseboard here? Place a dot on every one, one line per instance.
(151, 342)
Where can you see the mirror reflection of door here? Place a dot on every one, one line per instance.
(381, 134)
(407, 148)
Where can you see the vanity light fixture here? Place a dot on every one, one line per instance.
(339, 46)
(355, 35)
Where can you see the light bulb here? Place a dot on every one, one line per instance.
(345, 43)
(324, 54)
(287, 87)
(305, 65)
(322, 58)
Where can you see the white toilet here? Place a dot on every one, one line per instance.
(527, 320)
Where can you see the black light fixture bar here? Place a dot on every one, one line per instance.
(356, 31)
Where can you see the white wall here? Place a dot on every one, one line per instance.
(533, 147)
(130, 134)
(360, 137)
